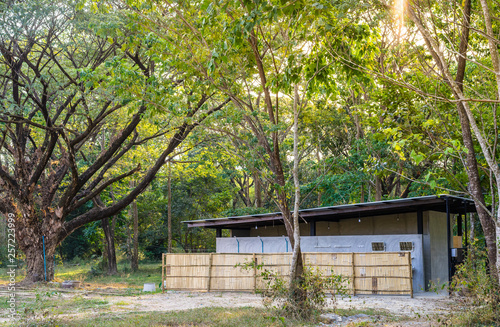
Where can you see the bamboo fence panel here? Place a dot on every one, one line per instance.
(366, 273)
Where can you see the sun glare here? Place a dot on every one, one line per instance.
(398, 16)
(399, 10)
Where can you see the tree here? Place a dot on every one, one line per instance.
(63, 87)
(449, 51)
(255, 52)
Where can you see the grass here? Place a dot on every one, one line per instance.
(367, 311)
(52, 308)
(51, 304)
(47, 305)
(195, 317)
(148, 273)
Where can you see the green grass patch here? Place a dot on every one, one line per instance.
(195, 317)
(120, 303)
(147, 273)
(366, 311)
(53, 303)
(3, 303)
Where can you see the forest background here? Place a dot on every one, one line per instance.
(121, 119)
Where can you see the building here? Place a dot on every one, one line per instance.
(425, 226)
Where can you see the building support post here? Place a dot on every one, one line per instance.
(466, 241)
(420, 222)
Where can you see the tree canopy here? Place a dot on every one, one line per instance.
(96, 98)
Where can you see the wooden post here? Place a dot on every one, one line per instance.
(210, 259)
(411, 274)
(353, 275)
(162, 272)
(254, 274)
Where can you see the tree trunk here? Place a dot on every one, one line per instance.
(362, 196)
(487, 222)
(378, 189)
(321, 171)
(471, 163)
(169, 209)
(472, 230)
(495, 60)
(294, 269)
(36, 269)
(104, 247)
(3, 229)
(109, 236)
(297, 293)
(272, 149)
(134, 263)
(456, 88)
(498, 252)
(258, 190)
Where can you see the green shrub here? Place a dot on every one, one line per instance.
(478, 291)
(305, 298)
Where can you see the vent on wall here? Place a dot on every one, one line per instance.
(406, 246)
(378, 246)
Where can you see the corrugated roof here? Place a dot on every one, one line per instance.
(334, 213)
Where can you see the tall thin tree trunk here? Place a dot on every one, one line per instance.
(296, 269)
(489, 157)
(362, 196)
(495, 60)
(169, 208)
(378, 189)
(134, 215)
(322, 171)
(104, 246)
(3, 228)
(258, 190)
(472, 230)
(471, 163)
(109, 236)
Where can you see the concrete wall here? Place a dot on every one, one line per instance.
(434, 246)
(405, 223)
(330, 244)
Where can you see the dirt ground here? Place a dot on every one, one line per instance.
(421, 308)
(420, 305)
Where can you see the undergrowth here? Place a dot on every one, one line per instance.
(303, 299)
(477, 293)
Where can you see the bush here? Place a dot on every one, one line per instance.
(478, 292)
(305, 299)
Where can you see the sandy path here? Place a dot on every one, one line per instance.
(184, 300)
(420, 305)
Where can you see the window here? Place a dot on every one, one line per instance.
(406, 246)
(378, 246)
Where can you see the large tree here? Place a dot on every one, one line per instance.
(63, 89)
(257, 53)
(456, 37)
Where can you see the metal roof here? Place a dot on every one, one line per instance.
(335, 213)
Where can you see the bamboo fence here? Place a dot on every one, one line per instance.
(367, 273)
